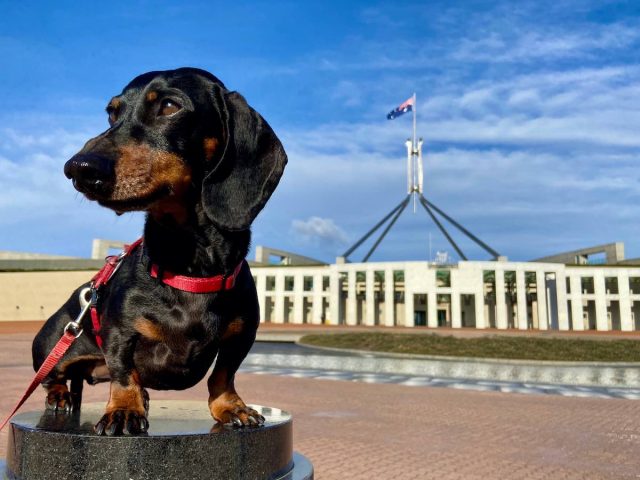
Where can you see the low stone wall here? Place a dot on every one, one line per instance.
(28, 296)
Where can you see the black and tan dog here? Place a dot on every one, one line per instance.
(202, 164)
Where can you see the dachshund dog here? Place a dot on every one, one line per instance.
(202, 164)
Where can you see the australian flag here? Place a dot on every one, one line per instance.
(404, 107)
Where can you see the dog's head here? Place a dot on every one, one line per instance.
(181, 134)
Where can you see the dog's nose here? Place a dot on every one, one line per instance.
(91, 173)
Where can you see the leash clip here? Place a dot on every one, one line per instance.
(85, 297)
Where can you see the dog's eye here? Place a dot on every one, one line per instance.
(168, 107)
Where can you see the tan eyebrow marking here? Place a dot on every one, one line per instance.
(115, 103)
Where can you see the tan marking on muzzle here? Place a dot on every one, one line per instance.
(141, 171)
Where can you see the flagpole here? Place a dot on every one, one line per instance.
(415, 105)
(414, 151)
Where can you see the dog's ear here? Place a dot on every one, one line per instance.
(252, 162)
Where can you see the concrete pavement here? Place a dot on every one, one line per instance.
(364, 431)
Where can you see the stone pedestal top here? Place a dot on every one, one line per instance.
(182, 443)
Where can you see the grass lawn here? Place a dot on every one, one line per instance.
(520, 348)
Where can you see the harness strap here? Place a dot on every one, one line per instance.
(212, 284)
(101, 278)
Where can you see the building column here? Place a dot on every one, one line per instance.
(562, 306)
(335, 289)
(626, 322)
(278, 298)
(389, 298)
(602, 324)
(577, 310)
(298, 299)
(432, 309)
(541, 293)
(456, 316)
(481, 321)
(409, 321)
(316, 310)
(501, 304)
(369, 314)
(352, 310)
(521, 294)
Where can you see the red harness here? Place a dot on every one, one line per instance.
(73, 329)
(180, 282)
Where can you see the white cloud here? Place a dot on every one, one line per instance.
(319, 229)
(522, 42)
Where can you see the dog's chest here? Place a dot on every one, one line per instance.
(176, 346)
(176, 321)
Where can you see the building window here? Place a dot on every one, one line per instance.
(443, 278)
(420, 309)
(378, 284)
(530, 285)
(489, 285)
(587, 285)
(568, 284)
(308, 284)
(271, 283)
(361, 284)
(398, 286)
(611, 285)
(634, 285)
(344, 283)
(325, 283)
(530, 279)
(510, 291)
(288, 283)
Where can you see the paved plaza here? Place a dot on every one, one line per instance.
(360, 430)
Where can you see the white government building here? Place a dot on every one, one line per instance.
(562, 292)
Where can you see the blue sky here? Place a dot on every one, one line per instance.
(530, 113)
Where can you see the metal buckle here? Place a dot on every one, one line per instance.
(85, 298)
(74, 328)
(116, 265)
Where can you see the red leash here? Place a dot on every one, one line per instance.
(72, 331)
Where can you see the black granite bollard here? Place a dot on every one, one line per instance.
(180, 444)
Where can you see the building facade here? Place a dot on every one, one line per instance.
(501, 295)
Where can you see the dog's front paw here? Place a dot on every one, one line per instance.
(122, 422)
(58, 399)
(230, 410)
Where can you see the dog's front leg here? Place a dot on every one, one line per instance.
(225, 404)
(126, 412)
